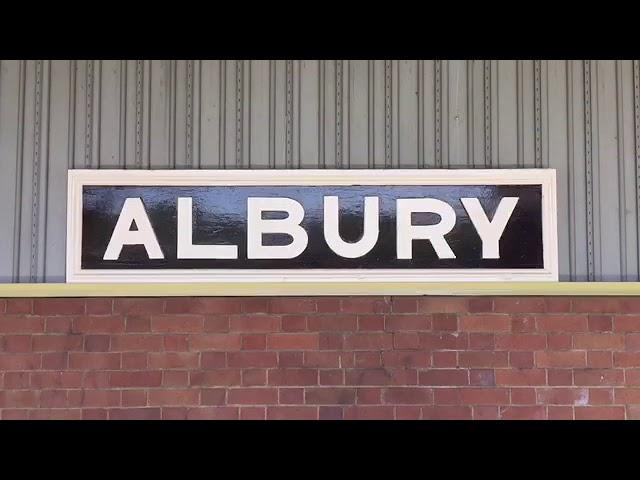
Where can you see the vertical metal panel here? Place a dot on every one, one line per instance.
(580, 117)
(11, 126)
(457, 109)
(53, 240)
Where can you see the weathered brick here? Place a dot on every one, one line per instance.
(215, 378)
(596, 341)
(537, 412)
(293, 376)
(146, 378)
(483, 359)
(255, 341)
(562, 323)
(203, 305)
(246, 323)
(292, 305)
(177, 323)
(99, 306)
(138, 306)
(252, 396)
(368, 341)
(16, 324)
(329, 396)
(293, 341)
(443, 377)
(548, 359)
(381, 376)
(371, 323)
(326, 323)
(368, 413)
(519, 305)
(407, 396)
(600, 413)
(213, 413)
(292, 413)
(364, 305)
(215, 341)
(531, 377)
(404, 304)
(135, 413)
(485, 323)
(598, 377)
(519, 341)
(626, 323)
(59, 306)
(442, 305)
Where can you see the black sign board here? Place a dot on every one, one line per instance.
(311, 225)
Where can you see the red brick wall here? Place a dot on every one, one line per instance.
(320, 357)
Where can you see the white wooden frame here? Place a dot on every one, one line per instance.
(78, 178)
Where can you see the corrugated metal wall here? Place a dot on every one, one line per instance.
(579, 117)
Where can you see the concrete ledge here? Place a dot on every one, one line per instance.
(13, 290)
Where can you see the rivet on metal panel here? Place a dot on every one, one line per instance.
(272, 114)
(371, 161)
(438, 108)
(139, 76)
(487, 113)
(589, 167)
(239, 102)
(36, 172)
(339, 113)
(387, 113)
(89, 115)
(538, 116)
(189, 113)
(636, 109)
(420, 99)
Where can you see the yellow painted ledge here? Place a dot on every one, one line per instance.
(13, 290)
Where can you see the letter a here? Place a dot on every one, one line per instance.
(133, 210)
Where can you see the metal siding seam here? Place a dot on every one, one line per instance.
(438, 111)
(387, 113)
(88, 133)
(371, 161)
(36, 171)
(420, 99)
(487, 113)
(73, 65)
(199, 114)
(122, 133)
(621, 173)
(470, 115)
(247, 137)
(41, 264)
(272, 114)
(538, 117)
(289, 113)
(636, 108)
(520, 111)
(189, 114)
(589, 167)
(19, 169)
(571, 172)
(347, 104)
(299, 114)
(321, 115)
(139, 107)
(222, 111)
(239, 112)
(171, 138)
(338, 114)
(98, 118)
